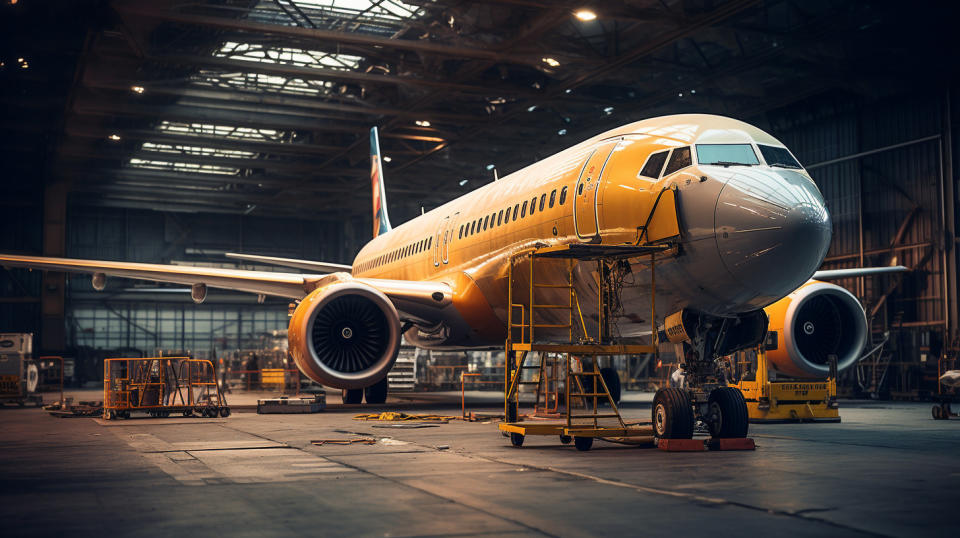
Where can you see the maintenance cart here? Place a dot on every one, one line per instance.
(161, 386)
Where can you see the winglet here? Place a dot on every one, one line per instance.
(381, 221)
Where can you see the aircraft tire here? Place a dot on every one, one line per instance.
(583, 444)
(352, 396)
(672, 414)
(612, 380)
(224, 412)
(566, 439)
(728, 413)
(516, 439)
(377, 393)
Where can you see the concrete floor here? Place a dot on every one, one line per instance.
(887, 470)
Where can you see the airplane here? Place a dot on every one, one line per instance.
(748, 227)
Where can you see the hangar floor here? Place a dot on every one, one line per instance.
(887, 470)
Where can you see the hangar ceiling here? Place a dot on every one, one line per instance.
(264, 106)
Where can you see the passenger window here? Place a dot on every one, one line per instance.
(516, 210)
(485, 220)
(580, 189)
(506, 216)
(429, 241)
(533, 205)
(523, 212)
(543, 200)
(654, 165)
(680, 158)
(461, 232)
(563, 195)
(553, 198)
(500, 218)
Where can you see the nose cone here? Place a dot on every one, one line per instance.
(772, 230)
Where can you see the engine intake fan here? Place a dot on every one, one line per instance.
(345, 335)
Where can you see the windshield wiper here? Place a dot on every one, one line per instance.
(728, 163)
(785, 165)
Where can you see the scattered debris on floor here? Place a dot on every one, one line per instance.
(394, 416)
(353, 441)
(408, 425)
(442, 447)
(67, 409)
(482, 417)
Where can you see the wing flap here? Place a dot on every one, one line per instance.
(318, 267)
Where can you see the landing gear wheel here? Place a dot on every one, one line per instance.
(672, 414)
(946, 410)
(352, 396)
(566, 439)
(728, 416)
(377, 393)
(224, 412)
(583, 444)
(516, 439)
(108, 414)
(188, 412)
(612, 379)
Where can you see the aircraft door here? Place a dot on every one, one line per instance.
(450, 225)
(440, 237)
(585, 216)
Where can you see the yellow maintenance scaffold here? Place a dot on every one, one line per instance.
(582, 389)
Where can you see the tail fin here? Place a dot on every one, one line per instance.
(381, 221)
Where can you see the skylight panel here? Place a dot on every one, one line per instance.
(225, 131)
(197, 151)
(151, 164)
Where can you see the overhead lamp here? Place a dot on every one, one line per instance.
(562, 132)
(137, 89)
(387, 158)
(422, 123)
(585, 15)
(491, 166)
(608, 110)
(552, 62)
(463, 182)
(531, 108)
(115, 137)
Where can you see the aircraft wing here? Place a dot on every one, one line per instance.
(418, 300)
(319, 267)
(831, 274)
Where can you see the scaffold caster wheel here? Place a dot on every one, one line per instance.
(188, 412)
(516, 439)
(583, 444)
(108, 414)
(224, 412)
(566, 439)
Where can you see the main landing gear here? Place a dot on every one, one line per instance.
(375, 394)
(724, 413)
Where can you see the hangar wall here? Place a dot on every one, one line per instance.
(883, 168)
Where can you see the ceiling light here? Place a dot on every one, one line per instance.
(585, 15)
(491, 166)
(20, 60)
(463, 182)
(25, 65)
(531, 108)
(387, 158)
(562, 132)
(608, 110)
(137, 89)
(552, 62)
(423, 123)
(115, 137)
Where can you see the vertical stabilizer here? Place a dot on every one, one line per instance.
(381, 221)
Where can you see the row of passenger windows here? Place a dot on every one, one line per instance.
(504, 216)
(517, 212)
(396, 254)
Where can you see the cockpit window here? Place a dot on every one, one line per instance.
(680, 158)
(776, 156)
(654, 165)
(727, 154)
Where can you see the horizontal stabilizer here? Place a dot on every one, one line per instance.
(857, 271)
(317, 267)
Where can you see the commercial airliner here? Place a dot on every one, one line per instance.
(747, 227)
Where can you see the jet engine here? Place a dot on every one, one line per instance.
(811, 324)
(345, 335)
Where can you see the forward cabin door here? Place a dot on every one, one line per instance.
(585, 215)
(449, 227)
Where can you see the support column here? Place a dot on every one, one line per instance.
(52, 296)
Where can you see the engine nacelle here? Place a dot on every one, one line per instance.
(815, 321)
(345, 335)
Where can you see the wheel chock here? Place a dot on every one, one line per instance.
(681, 445)
(731, 444)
